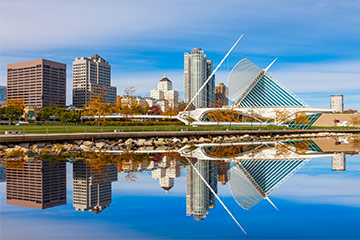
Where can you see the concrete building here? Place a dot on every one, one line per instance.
(338, 162)
(2, 95)
(92, 191)
(39, 83)
(92, 76)
(165, 92)
(221, 95)
(38, 184)
(196, 71)
(337, 103)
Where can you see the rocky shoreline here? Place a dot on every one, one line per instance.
(151, 144)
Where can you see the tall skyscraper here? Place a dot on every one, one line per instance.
(38, 184)
(221, 95)
(196, 71)
(39, 83)
(337, 103)
(92, 76)
(92, 191)
(165, 92)
(2, 95)
(198, 196)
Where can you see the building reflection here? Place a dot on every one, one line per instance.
(338, 162)
(38, 184)
(92, 191)
(2, 172)
(198, 196)
(166, 170)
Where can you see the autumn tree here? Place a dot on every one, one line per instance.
(282, 116)
(14, 109)
(97, 106)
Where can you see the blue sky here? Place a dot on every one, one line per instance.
(317, 42)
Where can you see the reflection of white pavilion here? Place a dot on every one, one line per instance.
(258, 168)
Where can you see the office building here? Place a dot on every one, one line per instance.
(221, 95)
(197, 69)
(337, 103)
(338, 162)
(92, 76)
(92, 191)
(2, 95)
(165, 92)
(39, 83)
(38, 184)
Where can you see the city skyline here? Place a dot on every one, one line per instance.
(314, 54)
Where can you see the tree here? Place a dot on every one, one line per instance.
(97, 106)
(14, 109)
(68, 117)
(46, 112)
(282, 116)
(130, 91)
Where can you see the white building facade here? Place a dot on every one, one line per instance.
(165, 92)
(91, 76)
(196, 71)
(337, 103)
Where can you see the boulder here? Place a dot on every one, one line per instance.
(88, 143)
(85, 148)
(100, 145)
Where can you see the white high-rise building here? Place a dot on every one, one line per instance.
(165, 92)
(337, 103)
(196, 71)
(338, 162)
(91, 76)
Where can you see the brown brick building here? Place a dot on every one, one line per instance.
(221, 95)
(37, 185)
(39, 83)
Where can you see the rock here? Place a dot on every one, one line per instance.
(24, 145)
(88, 143)
(100, 145)
(85, 148)
(201, 140)
(78, 142)
(140, 142)
(176, 141)
(160, 142)
(185, 140)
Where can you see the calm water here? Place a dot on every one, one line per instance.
(275, 190)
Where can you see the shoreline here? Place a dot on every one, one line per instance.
(169, 143)
(59, 137)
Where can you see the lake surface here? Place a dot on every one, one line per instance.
(308, 189)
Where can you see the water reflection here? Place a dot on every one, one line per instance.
(252, 171)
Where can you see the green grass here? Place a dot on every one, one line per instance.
(44, 129)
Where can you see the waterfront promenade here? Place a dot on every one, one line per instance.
(53, 137)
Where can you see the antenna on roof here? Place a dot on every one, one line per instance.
(267, 68)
